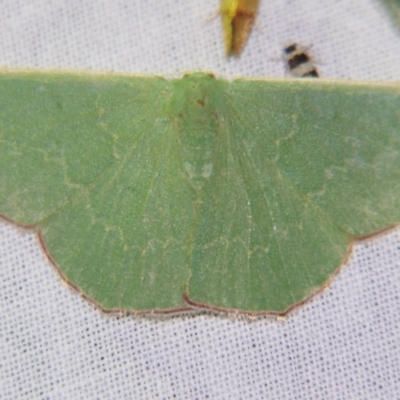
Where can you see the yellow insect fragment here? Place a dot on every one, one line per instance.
(237, 20)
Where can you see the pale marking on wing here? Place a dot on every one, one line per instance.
(344, 170)
(64, 167)
(267, 203)
(84, 191)
(228, 227)
(161, 161)
(297, 189)
(109, 185)
(275, 233)
(236, 168)
(358, 138)
(250, 223)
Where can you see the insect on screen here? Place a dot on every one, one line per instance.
(342, 344)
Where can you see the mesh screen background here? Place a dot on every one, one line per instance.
(342, 344)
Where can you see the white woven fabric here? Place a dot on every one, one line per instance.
(54, 345)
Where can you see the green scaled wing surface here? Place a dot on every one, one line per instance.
(153, 195)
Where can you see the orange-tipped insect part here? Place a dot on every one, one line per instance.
(238, 18)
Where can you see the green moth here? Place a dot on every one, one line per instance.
(154, 195)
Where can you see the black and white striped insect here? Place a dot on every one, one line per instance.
(299, 64)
